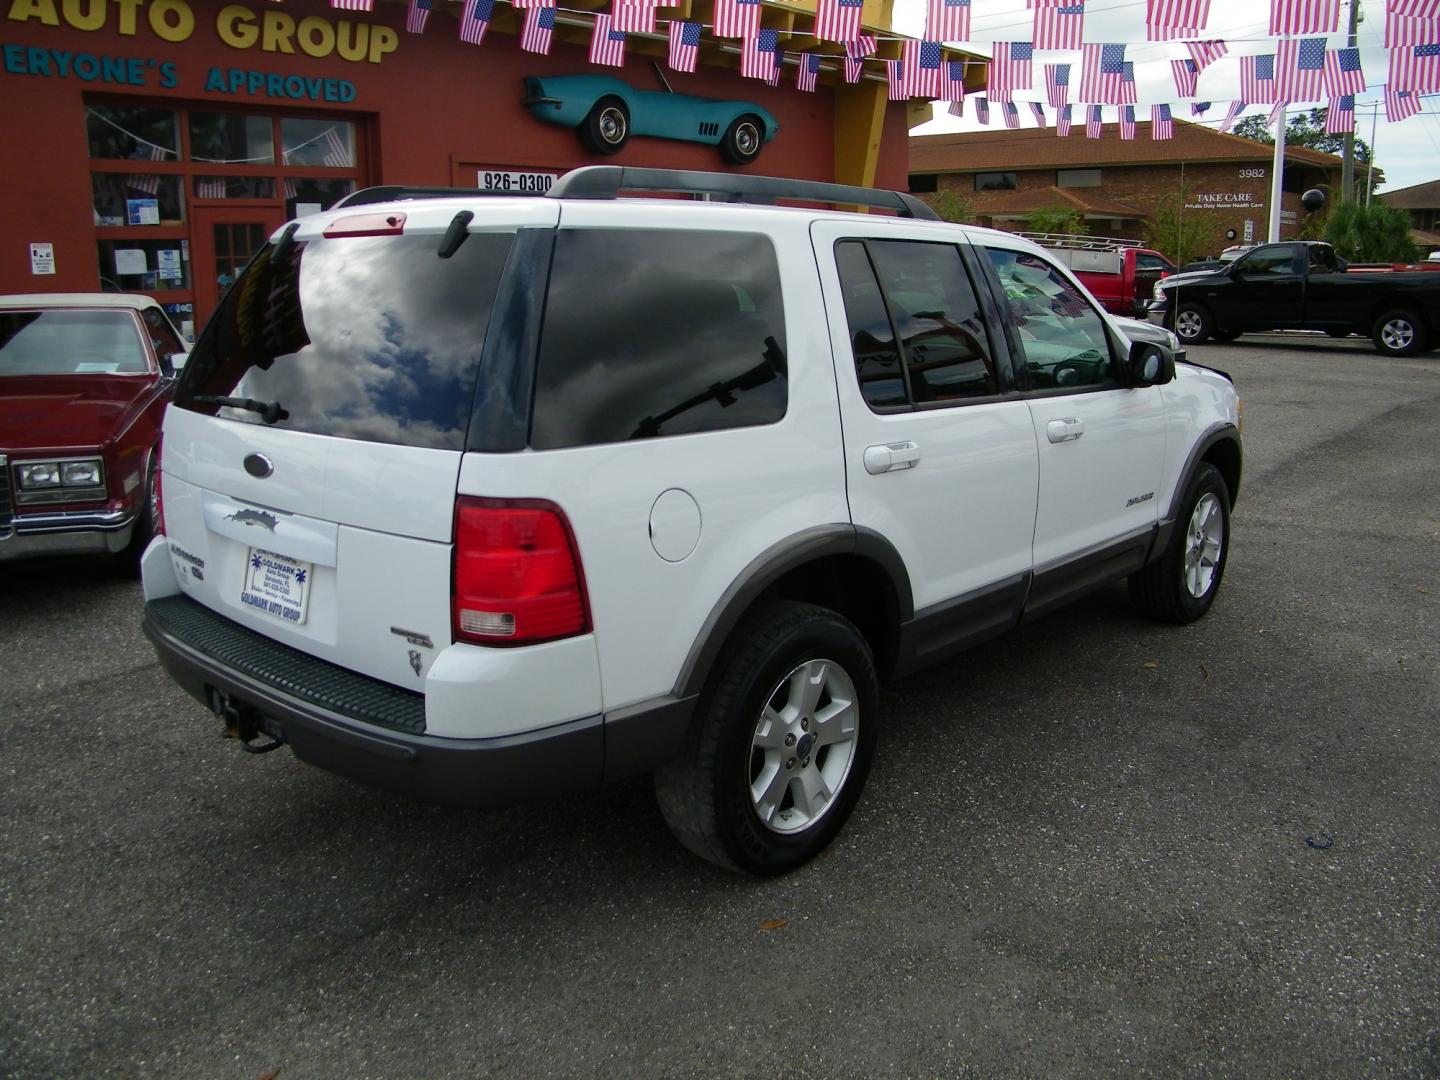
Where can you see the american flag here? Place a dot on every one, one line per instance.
(1402, 31)
(684, 45)
(210, 187)
(337, 150)
(146, 182)
(1062, 120)
(760, 55)
(1414, 9)
(952, 86)
(292, 189)
(633, 16)
(1236, 108)
(922, 68)
(1343, 74)
(1257, 79)
(1161, 124)
(1400, 105)
(1038, 111)
(1127, 84)
(895, 80)
(1101, 70)
(1094, 125)
(855, 53)
(1205, 53)
(1060, 27)
(531, 3)
(1304, 16)
(737, 18)
(838, 20)
(1277, 114)
(808, 70)
(1415, 67)
(353, 5)
(982, 110)
(948, 20)
(1199, 108)
(1010, 69)
(1168, 19)
(1186, 73)
(475, 20)
(539, 24)
(1057, 83)
(1127, 122)
(1299, 66)
(1340, 116)
(1011, 112)
(417, 16)
(957, 108)
(607, 45)
(774, 79)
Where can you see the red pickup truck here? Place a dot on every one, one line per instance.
(84, 381)
(1118, 273)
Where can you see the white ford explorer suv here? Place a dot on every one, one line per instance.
(479, 498)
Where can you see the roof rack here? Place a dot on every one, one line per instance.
(607, 181)
(1079, 240)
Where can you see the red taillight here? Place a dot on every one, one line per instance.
(517, 577)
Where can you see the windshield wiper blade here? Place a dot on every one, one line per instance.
(270, 411)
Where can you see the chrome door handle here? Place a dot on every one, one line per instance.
(1066, 430)
(891, 457)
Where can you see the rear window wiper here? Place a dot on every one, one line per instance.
(270, 411)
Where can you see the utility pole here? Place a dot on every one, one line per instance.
(1347, 171)
(1277, 174)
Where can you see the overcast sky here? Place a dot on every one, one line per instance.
(1408, 152)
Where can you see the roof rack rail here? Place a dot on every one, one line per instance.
(607, 181)
(1079, 240)
(399, 193)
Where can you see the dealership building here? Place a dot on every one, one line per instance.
(1116, 184)
(151, 145)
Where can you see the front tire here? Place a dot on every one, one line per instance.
(1399, 333)
(742, 140)
(781, 745)
(1193, 324)
(606, 128)
(1182, 583)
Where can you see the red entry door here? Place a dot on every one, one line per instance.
(223, 242)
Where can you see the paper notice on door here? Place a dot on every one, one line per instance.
(142, 211)
(131, 261)
(42, 258)
(167, 261)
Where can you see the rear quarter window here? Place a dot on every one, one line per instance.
(649, 333)
(369, 338)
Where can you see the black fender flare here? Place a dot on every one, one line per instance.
(1214, 434)
(771, 565)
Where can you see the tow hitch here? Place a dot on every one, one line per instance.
(244, 723)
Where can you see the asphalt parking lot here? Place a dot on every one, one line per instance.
(1097, 847)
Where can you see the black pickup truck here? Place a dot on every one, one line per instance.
(1302, 285)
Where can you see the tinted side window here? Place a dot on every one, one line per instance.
(944, 353)
(163, 338)
(1276, 260)
(1152, 262)
(1063, 337)
(658, 332)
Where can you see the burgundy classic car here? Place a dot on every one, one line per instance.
(84, 381)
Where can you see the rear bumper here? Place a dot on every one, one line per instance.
(465, 772)
(95, 532)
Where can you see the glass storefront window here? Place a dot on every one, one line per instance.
(234, 187)
(307, 193)
(137, 199)
(144, 265)
(231, 139)
(133, 132)
(328, 143)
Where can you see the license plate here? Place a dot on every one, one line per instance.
(277, 585)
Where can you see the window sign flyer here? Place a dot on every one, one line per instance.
(167, 261)
(142, 211)
(130, 261)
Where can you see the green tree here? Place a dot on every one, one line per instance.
(1375, 233)
(1178, 235)
(1303, 129)
(951, 205)
(1056, 219)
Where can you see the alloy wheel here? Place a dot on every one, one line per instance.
(1205, 539)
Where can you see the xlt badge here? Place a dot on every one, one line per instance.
(1140, 498)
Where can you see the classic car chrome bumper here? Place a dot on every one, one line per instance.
(85, 532)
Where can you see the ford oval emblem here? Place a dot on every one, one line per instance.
(258, 466)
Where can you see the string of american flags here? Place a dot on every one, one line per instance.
(1301, 69)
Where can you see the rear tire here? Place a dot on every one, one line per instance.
(781, 745)
(1193, 324)
(1400, 333)
(1181, 584)
(743, 140)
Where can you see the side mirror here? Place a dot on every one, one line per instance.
(177, 361)
(1149, 365)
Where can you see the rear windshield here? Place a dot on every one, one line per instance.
(70, 343)
(370, 338)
